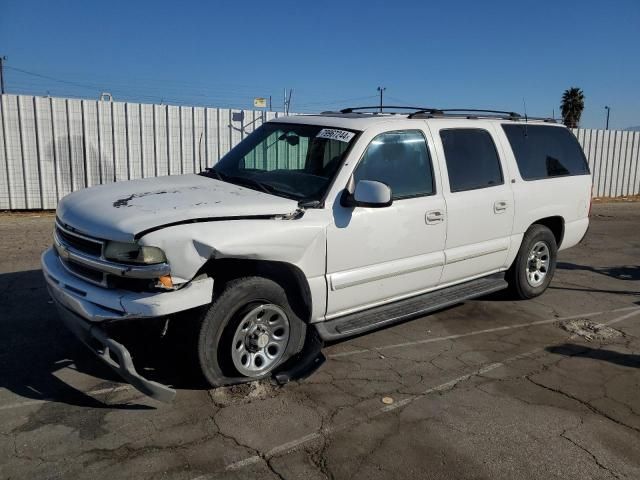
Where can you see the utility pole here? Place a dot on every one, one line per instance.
(2, 59)
(381, 90)
(608, 109)
(289, 100)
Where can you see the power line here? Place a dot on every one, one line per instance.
(220, 94)
(148, 83)
(337, 102)
(135, 98)
(182, 93)
(396, 99)
(47, 77)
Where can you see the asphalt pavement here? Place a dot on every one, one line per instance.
(492, 388)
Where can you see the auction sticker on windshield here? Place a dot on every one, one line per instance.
(332, 134)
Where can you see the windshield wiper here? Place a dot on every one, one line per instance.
(209, 170)
(247, 182)
(309, 203)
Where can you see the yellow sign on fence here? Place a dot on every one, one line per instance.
(260, 102)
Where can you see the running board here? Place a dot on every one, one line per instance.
(388, 314)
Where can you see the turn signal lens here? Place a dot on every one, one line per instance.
(166, 281)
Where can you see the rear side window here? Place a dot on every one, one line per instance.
(401, 160)
(472, 159)
(543, 151)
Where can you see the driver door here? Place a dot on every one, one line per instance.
(378, 255)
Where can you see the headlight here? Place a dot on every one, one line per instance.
(133, 253)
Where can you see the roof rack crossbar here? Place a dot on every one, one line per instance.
(397, 107)
(431, 112)
(480, 110)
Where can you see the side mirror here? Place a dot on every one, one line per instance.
(372, 194)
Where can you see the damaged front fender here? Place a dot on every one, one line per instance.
(300, 242)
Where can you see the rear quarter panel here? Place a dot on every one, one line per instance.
(568, 197)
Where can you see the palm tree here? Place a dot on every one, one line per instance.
(572, 106)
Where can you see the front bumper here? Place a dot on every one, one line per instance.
(113, 354)
(84, 306)
(97, 304)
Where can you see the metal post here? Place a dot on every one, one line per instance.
(289, 100)
(608, 109)
(270, 103)
(381, 89)
(2, 59)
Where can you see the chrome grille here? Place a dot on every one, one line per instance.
(83, 256)
(68, 240)
(82, 243)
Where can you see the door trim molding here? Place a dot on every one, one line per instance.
(371, 273)
(467, 252)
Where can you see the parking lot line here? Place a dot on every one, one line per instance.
(297, 443)
(623, 317)
(487, 330)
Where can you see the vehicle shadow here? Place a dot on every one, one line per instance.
(36, 350)
(572, 350)
(627, 272)
(595, 290)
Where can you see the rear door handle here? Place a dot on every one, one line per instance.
(500, 206)
(435, 216)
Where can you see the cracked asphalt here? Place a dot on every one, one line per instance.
(488, 389)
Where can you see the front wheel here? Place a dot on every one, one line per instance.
(248, 331)
(533, 268)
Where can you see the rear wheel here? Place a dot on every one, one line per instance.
(533, 268)
(248, 331)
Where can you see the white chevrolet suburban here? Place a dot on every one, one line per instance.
(316, 228)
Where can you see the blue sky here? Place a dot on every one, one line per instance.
(488, 54)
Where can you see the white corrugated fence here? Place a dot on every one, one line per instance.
(52, 146)
(614, 160)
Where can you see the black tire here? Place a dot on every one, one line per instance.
(223, 317)
(517, 276)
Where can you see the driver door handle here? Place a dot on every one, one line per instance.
(500, 206)
(435, 216)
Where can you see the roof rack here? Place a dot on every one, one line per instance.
(380, 107)
(468, 113)
(476, 110)
(428, 112)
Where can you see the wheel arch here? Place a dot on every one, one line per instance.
(555, 224)
(290, 277)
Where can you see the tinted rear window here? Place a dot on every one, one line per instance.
(543, 151)
(472, 159)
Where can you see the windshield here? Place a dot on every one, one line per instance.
(289, 160)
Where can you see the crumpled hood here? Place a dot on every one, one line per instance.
(121, 210)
